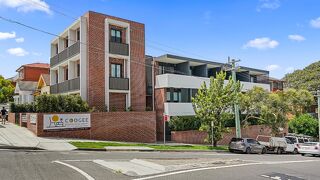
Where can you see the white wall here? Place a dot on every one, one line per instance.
(178, 109)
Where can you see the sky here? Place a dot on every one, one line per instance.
(275, 35)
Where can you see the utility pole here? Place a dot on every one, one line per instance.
(236, 106)
(318, 99)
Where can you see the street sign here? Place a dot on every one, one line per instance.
(166, 118)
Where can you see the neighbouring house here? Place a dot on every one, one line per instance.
(26, 81)
(43, 86)
(177, 79)
(276, 84)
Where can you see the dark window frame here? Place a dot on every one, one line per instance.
(115, 75)
(115, 37)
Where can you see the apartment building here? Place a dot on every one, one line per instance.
(101, 57)
(276, 84)
(26, 81)
(177, 79)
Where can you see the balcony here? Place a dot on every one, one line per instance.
(178, 109)
(65, 54)
(119, 48)
(119, 83)
(193, 82)
(66, 86)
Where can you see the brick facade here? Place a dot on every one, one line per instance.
(197, 137)
(111, 126)
(33, 73)
(159, 107)
(96, 61)
(117, 101)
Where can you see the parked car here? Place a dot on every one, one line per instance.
(291, 147)
(312, 148)
(297, 140)
(273, 144)
(246, 145)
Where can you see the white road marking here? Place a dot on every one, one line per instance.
(193, 170)
(266, 176)
(221, 167)
(77, 169)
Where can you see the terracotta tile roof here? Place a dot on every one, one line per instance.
(39, 65)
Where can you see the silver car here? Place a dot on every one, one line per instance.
(246, 145)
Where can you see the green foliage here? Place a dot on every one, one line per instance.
(53, 103)
(308, 78)
(6, 90)
(304, 124)
(213, 104)
(184, 123)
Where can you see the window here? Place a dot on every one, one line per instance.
(78, 34)
(252, 141)
(300, 140)
(161, 70)
(116, 35)
(57, 77)
(176, 95)
(56, 48)
(168, 95)
(66, 42)
(78, 69)
(116, 70)
(66, 73)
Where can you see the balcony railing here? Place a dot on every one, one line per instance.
(65, 54)
(119, 48)
(119, 83)
(66, 86)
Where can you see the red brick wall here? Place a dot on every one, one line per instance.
(11, 118)
(111, 126)
(159, 107)
(96, 55)
(117, 101)
(33, 73)
(197, 137)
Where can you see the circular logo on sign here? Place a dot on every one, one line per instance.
(55, 118)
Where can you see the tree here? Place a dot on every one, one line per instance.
(213, 103)
(298, 100)
(304, 124)
(308, 78)
(251, 103)
(6, 90)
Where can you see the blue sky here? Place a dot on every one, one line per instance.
(277, 35)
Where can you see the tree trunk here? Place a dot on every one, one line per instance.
(215, 143)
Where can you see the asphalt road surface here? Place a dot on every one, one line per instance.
(77, 165)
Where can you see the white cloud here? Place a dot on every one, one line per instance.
(17, 51)
(7, 35)
(261, 43)
(268, 4)
(27, 5)
(20, 40)
(315, 23)
(296, 37)
(289, 69)
(36, 53)
(272, 67)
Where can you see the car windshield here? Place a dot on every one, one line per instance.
(292, 139)
(236, 140)
(300, 140)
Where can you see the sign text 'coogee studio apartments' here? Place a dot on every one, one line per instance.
(66, 121)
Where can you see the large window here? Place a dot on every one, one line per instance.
(116, 70)
(66, 44)
(116, 35)
(78, 34)
(78, 69)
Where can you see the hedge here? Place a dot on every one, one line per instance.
(52, 103)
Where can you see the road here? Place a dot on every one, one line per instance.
(77, 165)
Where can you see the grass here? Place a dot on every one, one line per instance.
(101, 145)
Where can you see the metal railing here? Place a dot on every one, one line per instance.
(67, 53)
(119, 48)
(66, 86)
(119, 83)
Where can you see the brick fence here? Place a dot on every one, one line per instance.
(198, 137)
(111, 126)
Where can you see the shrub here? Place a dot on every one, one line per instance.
(304, 124)
(53, 103)
(184, 123)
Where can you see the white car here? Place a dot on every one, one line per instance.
(291, 147)
(312, 148)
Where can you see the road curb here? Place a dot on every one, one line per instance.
(20, 148)
(154, 150)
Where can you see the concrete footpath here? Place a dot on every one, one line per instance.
(13, 136)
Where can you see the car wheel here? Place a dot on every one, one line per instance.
(230, 150)
(264, 151)
(279, 151)
(302, 154)
(248, 150)
(295, 151)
